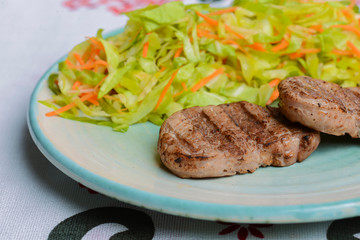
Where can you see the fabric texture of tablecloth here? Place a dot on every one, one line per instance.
(37, 201)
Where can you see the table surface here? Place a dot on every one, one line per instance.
(37, 201)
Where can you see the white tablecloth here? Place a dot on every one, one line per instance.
(37, 201)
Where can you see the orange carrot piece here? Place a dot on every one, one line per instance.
(296, 55)
(178, 52)
(281, 65)
(101, 62)
(207, 34)
(78, 58)
(205, 80)
(69, 64)
(273, 96)
(166, 88)
(97, 43)
(163, 68)
(94, 100)
(347, 14)
(209, 20)
(181, 92)
(96, 88)
(341, 52)
(352, 4)
(354, 48)
(222, 11)
(282, 45)
(184, 86)
(257, 47)
(229, 41)
(88, 65)
(318, 28)
(348, 28)
(145, 50)
(274, 82)
(76, 85)
(230, 30)
(69, 106)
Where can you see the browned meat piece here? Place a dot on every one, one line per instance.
(321, 105)
(223, 140)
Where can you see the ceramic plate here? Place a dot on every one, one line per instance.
(127, 167)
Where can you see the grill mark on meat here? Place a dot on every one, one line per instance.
(228, 129)
(183, 140)
(327, 107)
(325, 94)
(209, 130)
(229, 139)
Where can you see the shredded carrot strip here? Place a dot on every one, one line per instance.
(205, 80)
(230, 30)
(347, 14)
(96, 43)
(352, 3)
(226, 10)
(229, 41)
(69, 64)
(348, 28)
(183, 90)
(69, 106)
(163, 68)
(209, 20)
(178, 93)
(341, 52)
(273, 96)
(101, 62)
(178, 52)
(282, 45)
(318, 28)
(96, 88)
(203, 24)
(145, 50)
(78, 58)
(281, 65)
(274, 82)
(296, 55)
(88, 65)
(257, 47)
(76, 85)
(166, 88)
(94, 100)
(354, 48)
(309, 15)
(184, 86)
(207, 34)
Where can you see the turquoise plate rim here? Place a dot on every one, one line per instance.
(176, 206)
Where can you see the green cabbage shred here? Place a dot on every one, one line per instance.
(129, 79)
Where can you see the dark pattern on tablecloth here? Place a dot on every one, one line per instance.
(139, 224)
(344, 229)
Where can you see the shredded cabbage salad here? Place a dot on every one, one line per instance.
(176, 56)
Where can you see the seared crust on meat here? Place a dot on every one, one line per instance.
(223, 140)
(321, 105)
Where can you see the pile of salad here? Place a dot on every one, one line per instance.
(176, 56)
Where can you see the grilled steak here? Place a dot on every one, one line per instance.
(321, 105)
(223, 140)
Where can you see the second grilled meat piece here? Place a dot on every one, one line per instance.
(321, 105)
(223, 140)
